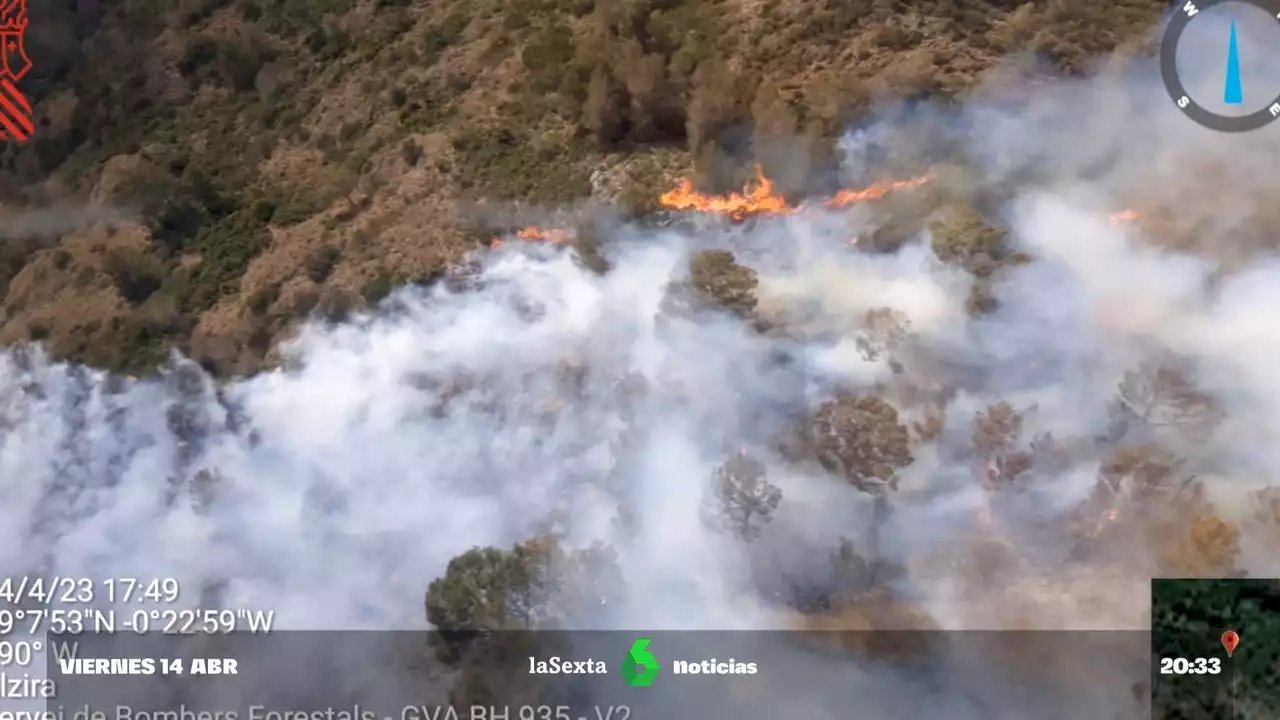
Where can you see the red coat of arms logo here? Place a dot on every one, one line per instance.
(15, 110)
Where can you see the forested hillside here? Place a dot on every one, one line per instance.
(263, 160)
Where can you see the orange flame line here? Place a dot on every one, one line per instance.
(554, 236)
(874, 192)
(756, 198)
(751, 201)
(759, 198)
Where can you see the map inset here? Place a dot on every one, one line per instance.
(1188, 619)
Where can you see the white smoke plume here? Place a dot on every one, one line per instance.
(385, 446)
(50, 222)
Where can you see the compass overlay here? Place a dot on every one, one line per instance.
(1220, 60)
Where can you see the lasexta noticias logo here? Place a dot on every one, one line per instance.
(640, 667)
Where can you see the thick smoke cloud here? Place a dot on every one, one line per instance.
(548, 397)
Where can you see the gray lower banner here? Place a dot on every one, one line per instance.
(598, 676)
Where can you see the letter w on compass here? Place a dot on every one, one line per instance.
(15, 110)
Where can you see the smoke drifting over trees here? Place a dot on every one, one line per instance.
(1011, 418)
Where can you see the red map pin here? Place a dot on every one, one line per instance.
(1230, 639)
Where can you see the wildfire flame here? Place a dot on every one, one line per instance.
(1123, 216)
(554, 236)
(876, 191)
(1108, 519)
(758, 198)
(751, 201)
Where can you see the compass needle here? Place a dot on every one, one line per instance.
(1192, 68)
(1233, 94)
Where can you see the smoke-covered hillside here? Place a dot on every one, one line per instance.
(1059, 387)
(1008, 361)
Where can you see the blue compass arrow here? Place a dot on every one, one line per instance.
(1233, 94)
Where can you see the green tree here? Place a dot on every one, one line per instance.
(1159, 396)
(741, 499)
(712, 104)
(1147, 473)
(600, 115)
(997, 431)
(883, 332)
(772, 116)
(492, 589)
(827, 96)
(718, 277)
(1207, 546)
(535, 585)
(136, 274)
(860, 439)
(488, 602)
(1145, 492)
(644, 78)
(962, 237)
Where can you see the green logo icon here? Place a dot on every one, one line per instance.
(640, 667)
